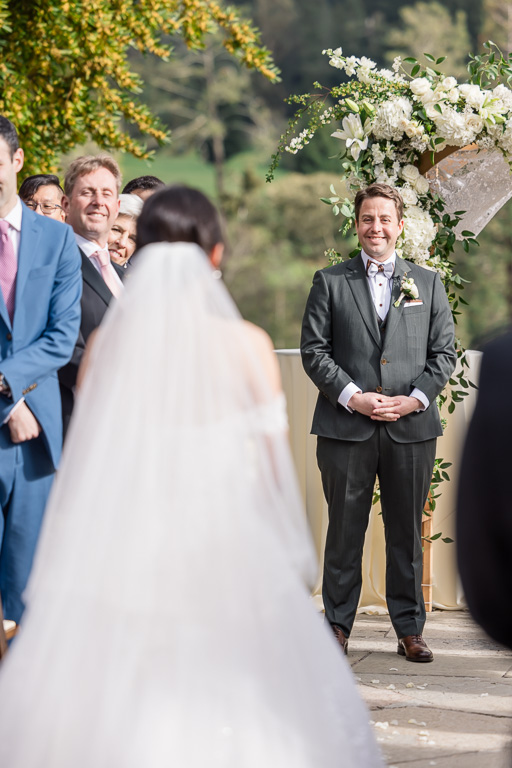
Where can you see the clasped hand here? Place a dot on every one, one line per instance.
(23, 425)
(381, 407)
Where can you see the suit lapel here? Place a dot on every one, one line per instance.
(395, 313)
(358, 283)
(93, 278)
(29, 237)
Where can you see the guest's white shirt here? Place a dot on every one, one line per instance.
(90, 248)
(380, 290)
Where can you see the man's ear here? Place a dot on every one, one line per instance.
(216, 254)
(65, 204)
(18, 159)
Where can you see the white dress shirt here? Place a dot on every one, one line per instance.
(380, 290)
(90, 248)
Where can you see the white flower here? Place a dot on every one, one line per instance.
(390, 119)
(338, 52)
(410, 173)
(351, 65)
(397, 63)
(387, 73)
(420, 86)
(453, 126)
(409, 196)
(367, 63)
(449, 83)
(413, 128)
(419, 232)
(377, 154)
(475, 123)
(354, 134)
(473, 95)
(505, 94)
(421, 185)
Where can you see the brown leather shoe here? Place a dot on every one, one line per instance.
(340, 637)
(414, 648)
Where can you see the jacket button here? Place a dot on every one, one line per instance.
(9, 337)
(378, 389)
(383, 361)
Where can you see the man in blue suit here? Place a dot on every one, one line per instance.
(40, 288)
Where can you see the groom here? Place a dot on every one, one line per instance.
(379, 368)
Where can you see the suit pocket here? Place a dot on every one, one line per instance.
(39, 272)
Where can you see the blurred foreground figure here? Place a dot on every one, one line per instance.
(40, 287)
(169, 623)
(484, 508)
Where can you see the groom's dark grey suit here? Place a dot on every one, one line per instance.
(344, 341)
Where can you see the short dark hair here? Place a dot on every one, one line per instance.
(9, 134)
(380, 190)
(31, 184)
(179, 214)
(143, 182)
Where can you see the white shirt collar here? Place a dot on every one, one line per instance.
(14, 216)
(365, 257)
(88, 246)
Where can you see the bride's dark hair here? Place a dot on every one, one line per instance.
(179, 214)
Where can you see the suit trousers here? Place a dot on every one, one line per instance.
(349, 469)
(26, 475)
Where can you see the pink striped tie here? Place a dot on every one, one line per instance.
(103, 260)
(8, 268)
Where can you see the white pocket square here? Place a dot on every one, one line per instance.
(413, 303)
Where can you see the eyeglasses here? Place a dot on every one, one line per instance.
(46, 208)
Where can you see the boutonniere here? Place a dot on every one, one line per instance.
(407, 288)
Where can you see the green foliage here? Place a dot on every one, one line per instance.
(429, 26)
(278, 237)
(65, 76)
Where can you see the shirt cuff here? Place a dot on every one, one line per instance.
(347, 393)
(14, 408)
(421, 396)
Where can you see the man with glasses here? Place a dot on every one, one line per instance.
(43, 194)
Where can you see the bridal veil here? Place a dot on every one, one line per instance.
(168, 621)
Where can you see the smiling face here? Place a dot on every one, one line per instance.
(378, 227)
(121, 239)
(9, 168)
(92, 206)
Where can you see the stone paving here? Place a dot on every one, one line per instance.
(455, 712)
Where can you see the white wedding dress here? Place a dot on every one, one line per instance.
(168, 622)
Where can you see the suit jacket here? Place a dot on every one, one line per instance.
(45, 325)
(342, 343)
(484, 507)
(96, 297)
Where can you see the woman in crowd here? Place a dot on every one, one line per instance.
(168, 620)
(121, 240)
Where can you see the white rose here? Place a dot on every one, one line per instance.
(410, 173)
(453, 95)
(449, 83)
(409, 196)
(473, 95)
(421, 185)
(413, 129)
(475, 123)
(420, 86)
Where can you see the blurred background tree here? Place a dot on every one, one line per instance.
(74, 72)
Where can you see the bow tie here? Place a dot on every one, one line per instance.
(373, 268)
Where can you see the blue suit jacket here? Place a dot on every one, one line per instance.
(45, 325)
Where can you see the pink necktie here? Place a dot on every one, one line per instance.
(8, 268)
(103, 260)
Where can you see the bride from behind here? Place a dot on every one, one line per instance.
(168, 621)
